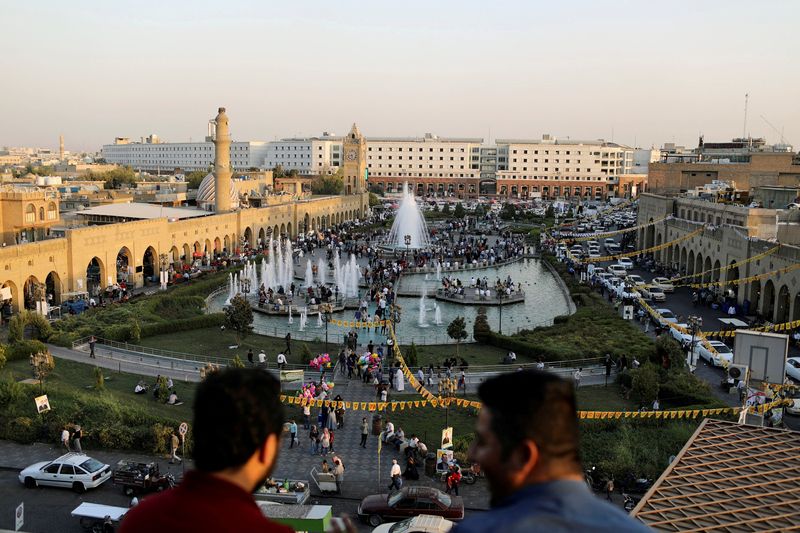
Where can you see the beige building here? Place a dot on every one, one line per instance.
(730, 234)
(27, 214)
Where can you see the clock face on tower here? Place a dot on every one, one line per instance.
(351, 155)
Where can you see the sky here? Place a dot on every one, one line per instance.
(640, 73)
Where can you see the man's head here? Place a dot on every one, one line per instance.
(530, 436)
(238, 419)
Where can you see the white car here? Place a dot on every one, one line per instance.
(625, 262)
(594, 253)
(423, 523)
(666, 316)
(665, 284)
(609, 241)
(793, 368)
(715, 359)
(634, 279)
(618, 270)
(74, 471)
(653, 293)
(679, 335)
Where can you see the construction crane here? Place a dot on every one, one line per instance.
(779, 133)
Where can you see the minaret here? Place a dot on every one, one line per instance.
(61, 148)
(222, 163)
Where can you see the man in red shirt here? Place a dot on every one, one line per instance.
(238, 420)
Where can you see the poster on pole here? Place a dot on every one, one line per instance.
(19, 517)
(443, 459)
(447, 438)
(42, 404)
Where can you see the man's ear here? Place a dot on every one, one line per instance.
(523, 461)
(269, 450)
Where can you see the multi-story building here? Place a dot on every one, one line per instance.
(431, 164)
(309, 156)
(27, 214)
(152, 155)
(550, 168)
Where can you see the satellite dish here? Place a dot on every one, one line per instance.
(735, 372)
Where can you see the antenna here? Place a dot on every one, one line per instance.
(744, 129)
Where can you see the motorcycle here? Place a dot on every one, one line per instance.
(635, 485)
(629, 502)
(593, 480)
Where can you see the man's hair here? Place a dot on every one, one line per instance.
(537, 406)
(235, 410)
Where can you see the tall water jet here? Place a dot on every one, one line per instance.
(422, 320)
(309, 281)
(408, 221)
(438, 270)
(338, 277)
(322, 271)
(319, 320)
(291, 318)
(437, 314)
(303, 318)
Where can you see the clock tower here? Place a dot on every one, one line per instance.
(355, 162)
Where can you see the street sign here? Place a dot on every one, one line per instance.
(182, 429)
(19, 515)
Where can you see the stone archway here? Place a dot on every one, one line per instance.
(226, 244)
(283, 230)
(175, 254)
(707, 273)
(683, 264)
(11, 304)
(248, 236)
(95, 276)
(209, 247)
(187, 254)
(796, 312)
(698, 268)
(650, 235)
(782, 307)
(53, 288)
(658, 254)
(690, 264)
(262, 237)
(289, 230)
(755, 296)
(149, 265)
(32, 292)
(217, 245)
(731, 275)
(715, 273)
(124, 265)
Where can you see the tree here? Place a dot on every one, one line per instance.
(668, 350)
(278, 172)
(480, 211)
(99, 380)
(42, 363)
(239, 317)
(305, 354)
(457, 330)
(481, 329)
(328, 183)
(373, 199)
(411, 355)
(459, 211)
(508, 212)
(193, 179)
(435, 208)
(645, 383)
(236, 362)
(446, 208)
(550, 213)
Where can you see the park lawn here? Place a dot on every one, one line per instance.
(70, 376)
(602, 398)
(474, 353)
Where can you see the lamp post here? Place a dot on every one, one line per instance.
(695, 322)
(500, 294)
(407, 239)
(326, 316)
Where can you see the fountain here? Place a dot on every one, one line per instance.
(438, 271)
(291, 318)
(322, 271)
(422, 320)
(303, 318)
(319, 320)
(309, 282)
(338, 277)
(437, 314)
(231, 290)
(408, 221)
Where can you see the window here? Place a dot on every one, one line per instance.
(67, 470)
(53, 468)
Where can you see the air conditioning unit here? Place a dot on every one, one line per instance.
(737, 372)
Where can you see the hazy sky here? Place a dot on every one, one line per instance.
(651, 72)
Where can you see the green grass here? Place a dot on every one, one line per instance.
(70, 376)
(601, 398)
(475, 354)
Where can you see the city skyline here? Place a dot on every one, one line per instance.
(618, 71)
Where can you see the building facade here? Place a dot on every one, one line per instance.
(309, 156)
(186, 157)
(730, 234)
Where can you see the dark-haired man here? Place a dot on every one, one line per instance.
(527, 445)
(238, 421)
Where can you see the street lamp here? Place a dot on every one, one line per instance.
(326, 315)
(407, 238)
(695, 323)
(500, 294)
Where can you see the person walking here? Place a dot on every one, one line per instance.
(325, 442)
(313, 436)
(174, 446)
(281, 361)
(288, 343)
(65, 438)
(76, 439)
(92, 342)
(292, 433)
(338, 473)
(395, 476)
(250, 356)
(364, 432)
(306, 417)
(609, 489)
(577, 376)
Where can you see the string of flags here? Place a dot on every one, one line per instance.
(726, 268)
(744, 280)
(635, 252)
(589, 236)
(359, 324)
(785, 326)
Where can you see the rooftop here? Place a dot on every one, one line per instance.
(141, 211)
(728, 476)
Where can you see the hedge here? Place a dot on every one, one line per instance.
(22, 350)
(186, 324)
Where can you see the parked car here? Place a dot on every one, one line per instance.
(626, 263)
(72, 470)
(665, 284)
(408, 502)
(794, 395)
(609, 241)
(618, 270)
(652, 292)
(793, 368)
(678, 333)
(666, 316)
(724, 353)
(423, 523)
(635, 279)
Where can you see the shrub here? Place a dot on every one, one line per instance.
(305, 354)
(645, 383)
(411, 355)
(236, 362)
(481, 329)
(2, 356)
(23, 319)
(186, 324)
(99, 380)
(22, 350)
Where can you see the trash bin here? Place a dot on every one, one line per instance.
(376, 424)
(430, 464)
